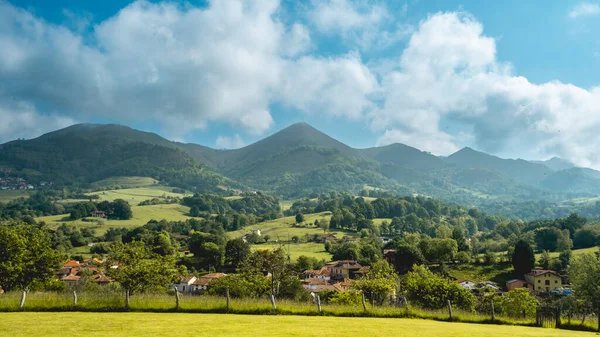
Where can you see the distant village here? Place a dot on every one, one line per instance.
(17, 183)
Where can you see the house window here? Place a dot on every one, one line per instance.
(547, 282)
(183, 288)
(555, 281)
(539, 281)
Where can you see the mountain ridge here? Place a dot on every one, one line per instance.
(295, 161)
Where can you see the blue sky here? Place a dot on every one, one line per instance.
(512, 78)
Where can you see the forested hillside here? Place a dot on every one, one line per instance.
(299, 161)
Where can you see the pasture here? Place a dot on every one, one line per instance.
(179, 324)
(310, 249)
(136, 195)
(141, 216)
(8, 195)
(126, 182)
(279, 229)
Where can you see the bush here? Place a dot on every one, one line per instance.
(463, 258)
(431, 291)
(519, 302)
(346, 298)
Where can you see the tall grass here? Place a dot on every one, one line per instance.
(109, 301)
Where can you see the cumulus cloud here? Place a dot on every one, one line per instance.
(360, 22)
(449, 71)
(584, 9)
(226, 142)
(181, 65)
(21, 120)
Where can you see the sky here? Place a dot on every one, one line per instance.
(517, 79)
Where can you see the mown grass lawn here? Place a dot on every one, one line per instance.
(136, 195)
(29, 324)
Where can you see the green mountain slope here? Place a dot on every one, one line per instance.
(84, 153)
(520, 170)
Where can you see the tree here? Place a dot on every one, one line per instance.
(266, 238)
(268, 261)
(27, 259)
(432, 291)
(523, 259)
(236, 252)
(139, 269)
(518, 301)
(299, 218)
(121, 210)
(545, 260)
(584, 275)
(379, 282)
(406, 257)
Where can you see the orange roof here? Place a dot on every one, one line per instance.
(101, 278)
(315, 281)
(71, 277)
(71, 263)
(206, 279)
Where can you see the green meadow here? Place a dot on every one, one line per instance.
(197, 325)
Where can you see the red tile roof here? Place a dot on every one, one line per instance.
(206, 279)
(538, 272)
(71, 263)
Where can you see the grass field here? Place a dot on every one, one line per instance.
(136, 195)
(179, 324)
(279, 229)
(141, 216)
(575, 252)
(8, 195)
(126, 182)
(310, 249)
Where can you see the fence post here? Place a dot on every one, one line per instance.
(127, 299)
(406, 302)
(23, 297)
(228, 299)
(74, 299)
(493, 311)
(177, 299)
(450, 310)
(319, 304)
(273, 302)
(557, 313)
(538, 320)
(598, 315)
(364, 302)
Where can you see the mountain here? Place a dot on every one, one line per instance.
(294, 162)
(556, 163)
(84, 153)
(518, 169)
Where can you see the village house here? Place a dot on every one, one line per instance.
(544, 280)
(390, 256)
(98, 214)
(467, 284)
(323, 274)
(71, 272)
(202, 283)
(184, 284)
(516, 283)
(345, 269)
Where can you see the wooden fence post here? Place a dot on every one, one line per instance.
(177, 299)
(364, 303)
(557, 313)
(23, 297)
(450, 310)
(273, 302)
(319, 304)
(228, 299)
(74, 299)
(406, 303)
(598, 315)
(127, 299)
(493, 311)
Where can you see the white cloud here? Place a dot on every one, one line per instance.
(584, 9)
(449, 71)
(21, 120)
(360, 22)
(180, 65)
(329, 86)
(225, 142)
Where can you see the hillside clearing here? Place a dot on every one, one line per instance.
(310, 249)
(8, 195)
(282, 228)
(141, 216)
(126, 182)
(179, 324)
(136, 195)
